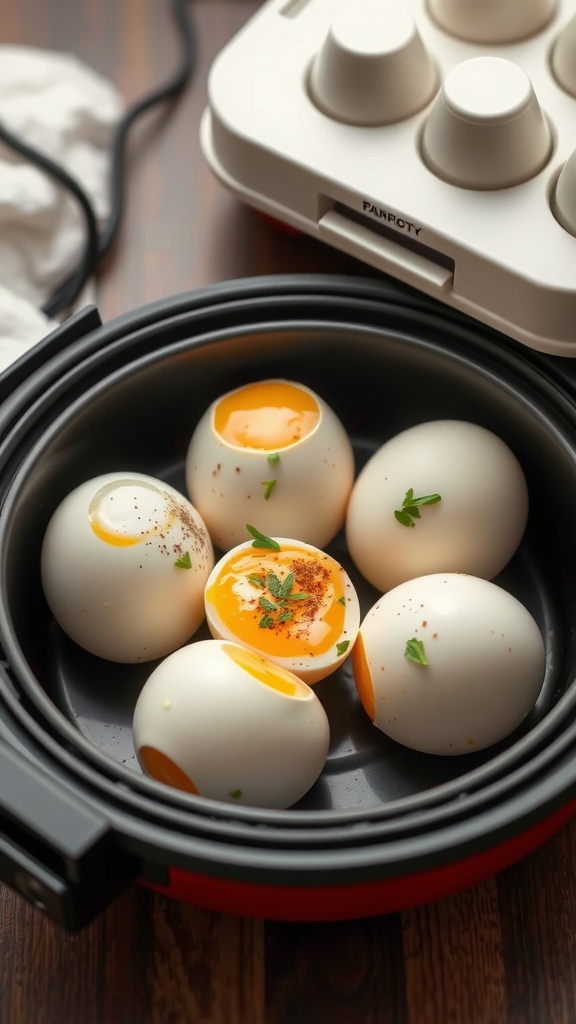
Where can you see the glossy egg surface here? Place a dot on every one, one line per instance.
(442, 496)
(217, 720)
(124, 562)
(448, 663)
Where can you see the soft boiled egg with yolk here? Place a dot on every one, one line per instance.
(124, 562)
(271, 452)
(448, 663)
(217, 720)
(288, 601)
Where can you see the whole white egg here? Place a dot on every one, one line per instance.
(291, 602)
(442, 496)
(124, 562)
(217, 720)
(448, 663)
(271, 452)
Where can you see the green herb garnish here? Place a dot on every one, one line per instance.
(277, 610)
(273, 457)
(268, 486)
(257, 581)
(410, 506)
(341, 600)
(415, 651)
(235, 794)
(261, 540)
(283, 588)
(184, 561)
(342, 647)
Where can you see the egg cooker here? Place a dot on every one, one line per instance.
(384, 827)
(432, 139)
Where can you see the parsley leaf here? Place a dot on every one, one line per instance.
(411, 505)
(275, 585)
(261, 540)
(415, 651)
(268, 486)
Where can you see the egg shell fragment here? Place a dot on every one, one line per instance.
(324, 628)
(222, 722)
(485, 666)
(109, 569)
(299, 489)
(475, 527)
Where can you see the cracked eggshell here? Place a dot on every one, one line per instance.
(124, 562)
(476, 526)
(485, 663)
(219, 721)
(289, 468)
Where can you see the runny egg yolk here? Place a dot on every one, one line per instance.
(268, 415)
(284, 603)
(363, 678)
(125, 512)
(266, 671)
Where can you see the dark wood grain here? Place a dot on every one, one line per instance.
(502, 953)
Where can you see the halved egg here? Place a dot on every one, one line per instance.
(220, 721)
(445, 495)
(275, 453)
(125, 560)
(448, 663)
(289, 601)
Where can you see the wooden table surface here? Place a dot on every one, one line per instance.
(504, 951)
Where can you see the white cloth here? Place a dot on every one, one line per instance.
(57, 104)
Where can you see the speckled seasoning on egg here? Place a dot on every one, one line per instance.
(448, 663)
(290, 602)
(125, 559)
(445, 495)
(271, 452)
(218, 720)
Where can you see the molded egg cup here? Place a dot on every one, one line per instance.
(384, 827)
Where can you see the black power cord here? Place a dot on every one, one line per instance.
(97, 245)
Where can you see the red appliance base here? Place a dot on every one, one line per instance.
(359, 899)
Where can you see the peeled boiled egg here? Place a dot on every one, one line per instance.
(125, 559)
(448, 663)
(218, 720)
(288, 601)
(442, 496)
(275, 453)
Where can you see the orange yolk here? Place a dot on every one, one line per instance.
(267, 672)
(362, 678)
(269, 415)
(285, 603)
(165, 770)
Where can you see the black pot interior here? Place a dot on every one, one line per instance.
(379, 380)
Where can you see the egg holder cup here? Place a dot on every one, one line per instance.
(433, 140)
(384, 827)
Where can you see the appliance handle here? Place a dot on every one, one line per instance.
(55, 849)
